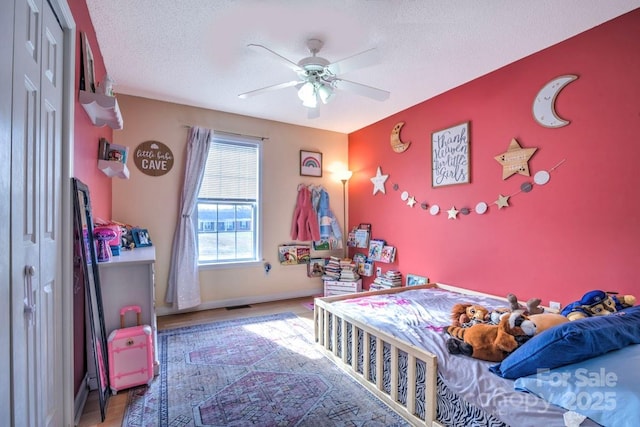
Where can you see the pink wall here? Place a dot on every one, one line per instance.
(578, 232)
(84, 164)
(86, 134)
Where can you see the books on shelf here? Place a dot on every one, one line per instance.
(294, 254)
(359, 236)
(112, 152)
(375, 249)
(388, 254)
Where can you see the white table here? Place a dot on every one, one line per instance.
(129, 279)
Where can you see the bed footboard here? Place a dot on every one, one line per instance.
(401, 375)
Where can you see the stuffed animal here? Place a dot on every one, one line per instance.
(491, 342)
(597, 303)
(544, 321)
(532, 306)
(467, 314)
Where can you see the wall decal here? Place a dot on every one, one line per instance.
(541, 177)
(544, 110)
(452, 213)
(503, 201)
(153, 158)
(515, 159)
(450, 163)
(396, 143)
(378, 182)
(481, 208)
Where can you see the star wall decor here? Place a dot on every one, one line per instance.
(541, 178)
(503, 201)
(378, 182)
(515, 159)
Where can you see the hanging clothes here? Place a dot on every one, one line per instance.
(329, 228)
(304, 225)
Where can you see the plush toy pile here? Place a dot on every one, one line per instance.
(492, 335)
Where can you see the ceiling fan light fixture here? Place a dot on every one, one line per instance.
(311, 102)
(306, 91)
(325, 92)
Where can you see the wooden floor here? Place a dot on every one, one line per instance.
(118, 402)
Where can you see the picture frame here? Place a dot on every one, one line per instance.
(315, 267)
(415, 280)
(310, 163)
(141, 237)
(450, 156)
(88, 65)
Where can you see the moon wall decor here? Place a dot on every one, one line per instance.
(544, 110)
(396, 143)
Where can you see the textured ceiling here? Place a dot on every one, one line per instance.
(195, 52)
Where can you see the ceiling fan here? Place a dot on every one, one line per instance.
(318, 78)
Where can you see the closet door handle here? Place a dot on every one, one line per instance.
(29, 303)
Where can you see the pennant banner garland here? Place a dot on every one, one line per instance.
(540, 178)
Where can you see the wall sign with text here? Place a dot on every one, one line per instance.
(450, 156)
(153, 158)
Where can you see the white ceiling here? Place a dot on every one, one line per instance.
(195, 52)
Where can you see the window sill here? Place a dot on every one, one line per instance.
(231, 265)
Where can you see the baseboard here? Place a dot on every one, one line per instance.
(81, 399)
(165, 311)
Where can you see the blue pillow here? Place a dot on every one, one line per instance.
(605, 388)
(572, 342)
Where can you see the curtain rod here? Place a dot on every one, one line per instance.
(221, 132)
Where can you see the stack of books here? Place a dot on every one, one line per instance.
(332, 269)
(390, 279)
(348, 270)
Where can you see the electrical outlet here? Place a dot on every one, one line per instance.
(555, 305)
(378, 271)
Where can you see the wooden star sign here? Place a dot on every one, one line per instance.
(515, 160)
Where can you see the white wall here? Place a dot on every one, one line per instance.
(152, 202)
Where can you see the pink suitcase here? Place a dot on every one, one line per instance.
(130, 353)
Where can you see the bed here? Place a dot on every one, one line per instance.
(393, 342)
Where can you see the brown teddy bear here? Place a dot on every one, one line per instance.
(465, 314)
(491, 342)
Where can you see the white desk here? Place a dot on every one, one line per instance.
(129, 279)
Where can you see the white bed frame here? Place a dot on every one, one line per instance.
(327, 338)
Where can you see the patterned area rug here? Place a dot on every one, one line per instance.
(260, 371)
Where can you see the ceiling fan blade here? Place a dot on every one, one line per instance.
(289, 63)
(364, 90)
(359, 60)
(268, 89)
(313, 113)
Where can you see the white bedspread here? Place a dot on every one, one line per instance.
(420, 317)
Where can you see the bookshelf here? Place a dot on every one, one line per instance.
(114, 169)
(101, 109)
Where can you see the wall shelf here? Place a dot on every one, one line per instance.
(101, 109)
(113, 169)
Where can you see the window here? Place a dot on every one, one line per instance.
(228, 210)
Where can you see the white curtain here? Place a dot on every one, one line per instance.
(184, 282)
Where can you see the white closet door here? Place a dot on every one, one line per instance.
(35, 215)
(6, 70)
